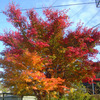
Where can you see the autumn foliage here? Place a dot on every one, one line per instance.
(43, 56)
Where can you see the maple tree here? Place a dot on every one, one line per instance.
(45, 57)
(96, 70)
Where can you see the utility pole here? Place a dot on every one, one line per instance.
(97, 3)
(92, 86)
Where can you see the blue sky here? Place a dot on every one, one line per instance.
(76, 13)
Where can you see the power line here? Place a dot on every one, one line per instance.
(77, 12)
(96, 25)
(92, 17)
(61, 6)
(52, 3)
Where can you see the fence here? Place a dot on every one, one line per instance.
(10, 96)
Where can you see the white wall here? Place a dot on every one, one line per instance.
(29, 98)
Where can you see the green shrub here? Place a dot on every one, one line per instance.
(95, 97)
(78, 94)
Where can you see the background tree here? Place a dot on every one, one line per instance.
(41, 58)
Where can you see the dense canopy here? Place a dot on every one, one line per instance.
(46, 56)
